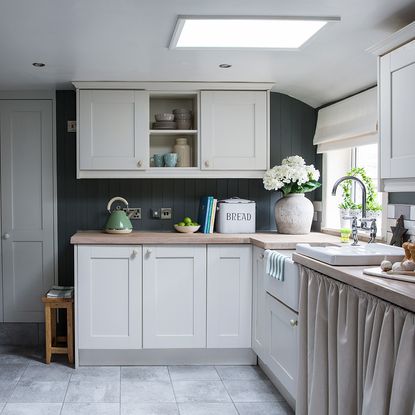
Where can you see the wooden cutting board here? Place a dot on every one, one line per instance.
(407, 276)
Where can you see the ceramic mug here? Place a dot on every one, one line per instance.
(158, 160)
(170, 159)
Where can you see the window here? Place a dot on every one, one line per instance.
(335, 165)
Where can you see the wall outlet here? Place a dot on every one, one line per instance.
(134, 212)
(165, 213)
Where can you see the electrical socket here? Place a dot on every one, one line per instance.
(136, 212)
(165, 213)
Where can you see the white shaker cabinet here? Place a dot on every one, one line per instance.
(282, 348)
(259, 329)
(108, 295)
(113, 129)
(174, 296)
(234, 130)
(229, 296)
(397, 121)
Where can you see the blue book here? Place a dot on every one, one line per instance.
(209, 216)
(203, 213)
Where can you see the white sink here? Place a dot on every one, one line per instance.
(369, 254)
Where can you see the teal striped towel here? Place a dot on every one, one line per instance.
(275, 264)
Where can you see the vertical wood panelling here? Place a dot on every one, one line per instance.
(82, 203)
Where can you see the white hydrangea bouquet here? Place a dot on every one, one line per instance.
(293, 176)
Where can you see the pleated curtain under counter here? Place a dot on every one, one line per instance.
(356, 352)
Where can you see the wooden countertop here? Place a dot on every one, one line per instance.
(265, 240)
(396, 292)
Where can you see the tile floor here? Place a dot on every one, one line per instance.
(29, 387)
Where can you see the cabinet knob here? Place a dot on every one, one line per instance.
(139, 163)
(293, 323)
(135, 252)
(6, 236)
(149, 251)
(207, 164)
(262, 256)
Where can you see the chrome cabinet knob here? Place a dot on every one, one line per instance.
(6, 236)
(293, 323)
(207, 164)
(139, 163)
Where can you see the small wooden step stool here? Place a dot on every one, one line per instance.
(52, 305)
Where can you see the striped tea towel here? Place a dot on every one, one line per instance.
(275, 264)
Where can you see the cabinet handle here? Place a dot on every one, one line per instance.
(139, 163)
(207, 164)
(6, 236)
(293, 323)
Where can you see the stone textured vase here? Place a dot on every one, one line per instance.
(294, 214)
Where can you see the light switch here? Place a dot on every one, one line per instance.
(71, 126)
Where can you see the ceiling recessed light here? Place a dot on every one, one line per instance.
(38, 64)
(225, 65)
(252, 32)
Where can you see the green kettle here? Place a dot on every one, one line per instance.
(118, 222)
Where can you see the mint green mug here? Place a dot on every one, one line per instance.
(170, 159)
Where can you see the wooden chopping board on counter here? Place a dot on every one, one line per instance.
(407, 276)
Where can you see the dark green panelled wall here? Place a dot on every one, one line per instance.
(82, 203)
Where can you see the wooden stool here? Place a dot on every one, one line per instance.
(51, 307)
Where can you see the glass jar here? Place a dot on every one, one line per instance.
(183, 152)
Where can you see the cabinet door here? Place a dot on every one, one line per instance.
(229, 296)
(108, 288)
(397, 121)
(234, 130)
(282, 343)
(174, 300)
(113, 130)
(258, 306)
(27, 201)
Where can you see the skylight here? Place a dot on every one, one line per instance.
(234, 32)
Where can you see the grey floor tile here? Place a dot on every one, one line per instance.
(12, 372)
(252, 391)
(240, 372)
(13, 358)
(46, 392)
(91, 409)
(32, 409)
(6, 389)
(200, 391)
(147, 392)
(193, 373)
(201, 408)
(264, 408)
(93, 392)
(96, 373)
(145, 373)
(149, 409)
(43, 372)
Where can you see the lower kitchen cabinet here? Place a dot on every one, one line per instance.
(259, 329)
(282, 345)
(108, 293)
(229, 296)
(174, 296)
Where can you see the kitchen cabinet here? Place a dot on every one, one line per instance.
(27, 208)
(229, 296)
(174, 296)
(259, 332)
(108, 297)
(113, 130)
(234, 133)
(282, 348)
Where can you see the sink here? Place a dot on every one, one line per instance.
(370, 254)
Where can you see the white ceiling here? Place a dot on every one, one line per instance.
(127, 40)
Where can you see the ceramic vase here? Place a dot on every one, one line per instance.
(294, 214)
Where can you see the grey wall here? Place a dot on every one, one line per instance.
(82, 203)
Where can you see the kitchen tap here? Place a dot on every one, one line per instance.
(363, 219)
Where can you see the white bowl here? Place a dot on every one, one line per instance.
(186, 229)
(164, 116)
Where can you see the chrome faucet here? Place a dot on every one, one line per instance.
(363, 219)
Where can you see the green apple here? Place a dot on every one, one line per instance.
(187, 220)
(181, 224)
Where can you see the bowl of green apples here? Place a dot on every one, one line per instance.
(187, 225)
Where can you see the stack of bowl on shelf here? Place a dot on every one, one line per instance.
(180, 119)
(164, 121)
(183, 118)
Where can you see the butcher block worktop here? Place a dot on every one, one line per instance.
(266, 240)
(396, 292)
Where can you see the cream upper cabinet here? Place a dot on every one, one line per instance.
(234, 130)
(397, 101)
(113, 130)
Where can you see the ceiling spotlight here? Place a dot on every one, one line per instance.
(38, 64)
(225, 65)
